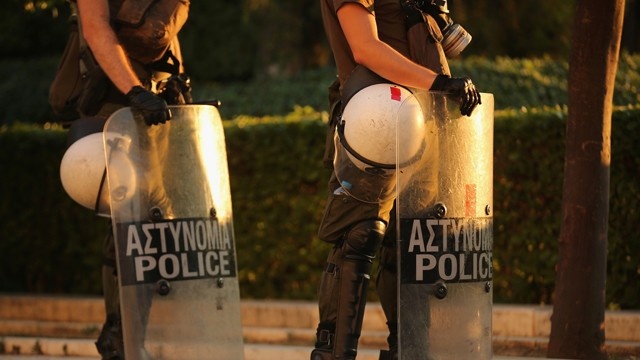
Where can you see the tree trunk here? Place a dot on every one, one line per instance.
(577, 324)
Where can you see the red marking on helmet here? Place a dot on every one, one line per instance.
(470, 200)
(395, 93)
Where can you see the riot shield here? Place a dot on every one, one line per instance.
(172, 220)
(445, 234)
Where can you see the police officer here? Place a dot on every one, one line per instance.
(373, 41)
(127, 64)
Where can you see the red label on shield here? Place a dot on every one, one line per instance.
(396, 94)
(470, 200)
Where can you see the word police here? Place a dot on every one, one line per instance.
(175, 250)
(453, 250)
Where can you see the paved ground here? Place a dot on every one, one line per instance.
(264, 356)
(66, 328)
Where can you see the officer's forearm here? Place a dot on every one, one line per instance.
(361, 32)
(104, 44)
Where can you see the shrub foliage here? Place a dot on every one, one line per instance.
(278, 185)
(275, 133)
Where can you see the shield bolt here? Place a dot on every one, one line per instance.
(163, 287)
(487, 286)
(213, 213)
(487, 209)
(441, 210)
(441, 291)
(220, 283)
(155, 213)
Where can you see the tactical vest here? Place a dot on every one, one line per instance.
(146, 28)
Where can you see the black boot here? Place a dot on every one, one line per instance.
(388, 354)
(321, 354)
(110, 344)
(392, 340)
(325, 337)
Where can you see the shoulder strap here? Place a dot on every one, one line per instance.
(75, 17)
(82, 43)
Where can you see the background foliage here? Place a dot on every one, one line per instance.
(517, 83)
(275, 143)
(278, 186)
(239, 40)
(267, 60)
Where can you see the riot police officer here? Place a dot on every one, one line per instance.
(124, 62)
(400, 42)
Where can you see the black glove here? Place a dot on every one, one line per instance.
(153, 108)
(462, 89)
(176, 90)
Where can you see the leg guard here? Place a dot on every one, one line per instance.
(110, 343)
(387, 288)
(343, 291)
(392, 353)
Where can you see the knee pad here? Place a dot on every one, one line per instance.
(362, 241)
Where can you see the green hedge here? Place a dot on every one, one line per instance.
(47, 242)
(50, 244)
(517, 83)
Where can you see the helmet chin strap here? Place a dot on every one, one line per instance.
(354, 153)
(98, 208)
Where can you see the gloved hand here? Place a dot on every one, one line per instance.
(462, 89)
(176, 90)
(153, 108)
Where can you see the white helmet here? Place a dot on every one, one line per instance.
(369, 125)
(83, 176)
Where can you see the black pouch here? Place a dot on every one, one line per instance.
(67, 82)
(79, 83)
(94, 84)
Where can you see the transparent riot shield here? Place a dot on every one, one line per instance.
(445, 234)
(172, 220)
